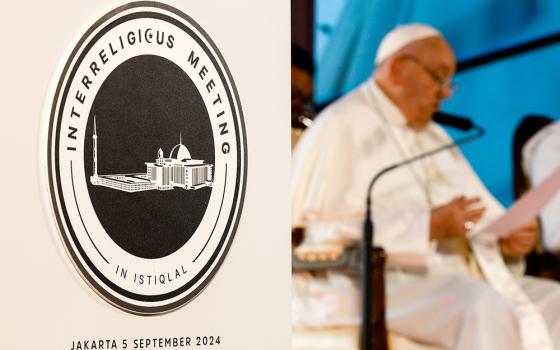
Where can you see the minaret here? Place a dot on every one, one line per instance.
(94, 179)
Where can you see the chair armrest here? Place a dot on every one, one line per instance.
(325, 257)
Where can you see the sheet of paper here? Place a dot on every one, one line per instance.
(526, 208)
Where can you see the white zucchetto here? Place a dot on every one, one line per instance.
(402, 36)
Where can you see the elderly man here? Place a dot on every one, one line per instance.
(435, 292)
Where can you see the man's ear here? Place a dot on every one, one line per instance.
(396, 69)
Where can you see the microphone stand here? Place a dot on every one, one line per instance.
(367, 243)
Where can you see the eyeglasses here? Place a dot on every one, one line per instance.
(441, 81)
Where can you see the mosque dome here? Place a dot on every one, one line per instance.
(180, 152)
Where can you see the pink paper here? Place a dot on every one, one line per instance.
(526, 208)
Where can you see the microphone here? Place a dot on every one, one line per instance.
(453, 121)
(442, 118)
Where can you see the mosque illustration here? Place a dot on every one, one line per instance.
(179, 170)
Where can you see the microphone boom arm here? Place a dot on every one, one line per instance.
(479, 133)
(368, 233)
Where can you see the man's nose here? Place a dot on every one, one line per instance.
(445, 92)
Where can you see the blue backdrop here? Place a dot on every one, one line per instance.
(496, 95)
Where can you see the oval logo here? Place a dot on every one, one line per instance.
(146, 157)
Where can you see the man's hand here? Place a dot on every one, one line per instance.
(520, 242)
(452, 219)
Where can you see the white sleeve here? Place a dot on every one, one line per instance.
(320, 160)
(323, 202)
(546, 160)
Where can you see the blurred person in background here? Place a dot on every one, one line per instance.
(302, 108)
(302, 91)
(536, 154)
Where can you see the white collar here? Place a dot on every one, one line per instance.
(387, 108)
(394, 117)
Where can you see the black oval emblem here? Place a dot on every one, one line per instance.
(146, 157)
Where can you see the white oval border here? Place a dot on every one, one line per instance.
(50, 212)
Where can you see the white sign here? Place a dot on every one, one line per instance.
(153, 211)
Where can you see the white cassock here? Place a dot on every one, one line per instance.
(541, 156)
(433, 296)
